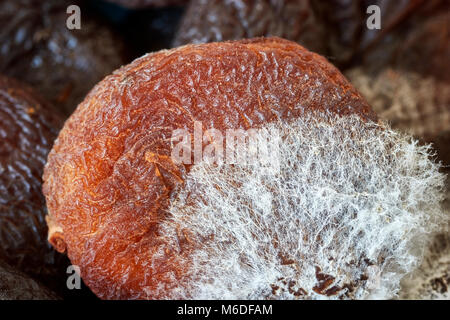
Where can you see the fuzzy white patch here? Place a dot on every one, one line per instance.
(347, 216)
(431, 280)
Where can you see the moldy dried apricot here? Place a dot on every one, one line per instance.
(109, 178)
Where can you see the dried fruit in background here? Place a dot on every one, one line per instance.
(15, 285)
(420, 44)
(137, 4)
(411, 102)
(405, 78)
(343, 22)
(350, 42)
(28, 127)
(218, 20)
(336, 28)
(63, 65)
(109, 177)
(430, 42)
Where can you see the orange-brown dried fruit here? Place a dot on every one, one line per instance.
(410, 29)
(109, 177)
(28, 127)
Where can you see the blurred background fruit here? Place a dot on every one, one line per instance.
(402, 70)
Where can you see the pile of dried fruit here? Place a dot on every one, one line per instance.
(140, 225)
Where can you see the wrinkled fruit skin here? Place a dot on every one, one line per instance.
(411, 29)
(418, 41)
(28, 127)
(109, 177)
(15, 285)
(137, 4)
(217, 20)
(63, 65)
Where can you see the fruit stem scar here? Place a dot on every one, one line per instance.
(55, 235)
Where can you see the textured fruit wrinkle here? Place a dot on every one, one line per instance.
(354, 199)
(218, 20)
(106, 183)
(28, 127)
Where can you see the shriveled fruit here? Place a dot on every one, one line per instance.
(217, 20)
(141, 226)
(15, 285)
(336, 28)
(28, 127)
(62, 64)
(421, 43)
(135, 4)
(410, 29)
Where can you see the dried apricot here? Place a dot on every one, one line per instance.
(28, 127)
(37, 47)
(104, 193)
(335, 28)
(140, 225)
(424, 32)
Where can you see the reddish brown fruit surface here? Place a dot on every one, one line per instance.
(28, 127)
(63, 65)
(15, 285)
(109, 177)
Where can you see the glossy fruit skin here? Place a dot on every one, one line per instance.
(28, 127)
(37, 48)
(109, 177)
(15, 285)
